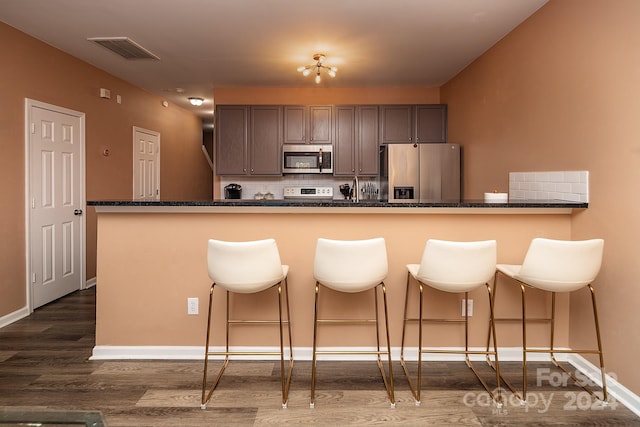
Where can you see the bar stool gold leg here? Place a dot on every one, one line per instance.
(388, 385)
(312, 402)
(206, 396)
(286, 381)
(415, 389)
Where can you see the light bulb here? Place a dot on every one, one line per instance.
(301, 69)
(306, 72)
(318, 79)
(332, 73)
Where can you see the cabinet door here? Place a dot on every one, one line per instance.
(264, 140)
(431, 123)
(320, 124)
(396, 123)
(368, 137)
(344, 137)
(231, 140)
(295, 124)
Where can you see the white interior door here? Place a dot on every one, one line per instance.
(55, 177)
(146, 164)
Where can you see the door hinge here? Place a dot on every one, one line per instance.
(33, 203)
(33, 128)
(33, 277)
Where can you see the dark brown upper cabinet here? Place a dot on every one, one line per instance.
(413, 123)
(308, 124)
(249, 140)
(356, 140)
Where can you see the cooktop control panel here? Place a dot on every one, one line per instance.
(308, 192)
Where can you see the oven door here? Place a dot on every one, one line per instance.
(307, 159)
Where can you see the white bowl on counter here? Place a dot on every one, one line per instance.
(496, 197)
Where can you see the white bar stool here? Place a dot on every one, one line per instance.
(352, 266)
(458, 267)
(247, 267)
(556, 266)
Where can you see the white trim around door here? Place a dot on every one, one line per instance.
(146, 164)
(55, 196)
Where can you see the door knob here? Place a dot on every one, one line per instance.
(77, 212)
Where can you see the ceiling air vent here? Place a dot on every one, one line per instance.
(124, 47)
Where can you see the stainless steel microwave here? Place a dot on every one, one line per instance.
(307, 158)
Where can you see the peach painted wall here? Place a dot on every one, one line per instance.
(327, 96)
(32, 69)
(164, 263)
(562, 92)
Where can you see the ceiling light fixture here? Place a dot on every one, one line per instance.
(317, 67)
(196, 101)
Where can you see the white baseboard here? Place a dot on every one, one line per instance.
(14, 317)
(107, 352)
(619, 392)
(305, 353)
(90, 283)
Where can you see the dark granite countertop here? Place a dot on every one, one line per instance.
(341, 203)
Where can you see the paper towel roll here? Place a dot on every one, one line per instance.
(496, 197)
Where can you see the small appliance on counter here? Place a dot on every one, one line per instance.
(346, 191)
(233, 191)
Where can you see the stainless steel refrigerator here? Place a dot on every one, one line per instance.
(412, 173)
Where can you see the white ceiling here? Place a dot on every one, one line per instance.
(205, 44)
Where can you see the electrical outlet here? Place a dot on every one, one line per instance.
(192, 305)
(467, 307)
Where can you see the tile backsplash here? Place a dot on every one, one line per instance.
(251, 186)
(557, 185)
(560, 185)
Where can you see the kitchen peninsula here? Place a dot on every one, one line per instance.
(152, 257)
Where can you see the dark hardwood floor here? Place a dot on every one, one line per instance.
(45, 369)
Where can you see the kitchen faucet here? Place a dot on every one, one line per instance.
(356, 188)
